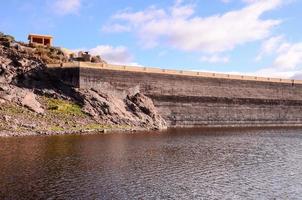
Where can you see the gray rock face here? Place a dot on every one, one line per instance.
(16, 64)
(19, 65)
(21, 96)
(29, 101)
(23, 77)
(137, 110)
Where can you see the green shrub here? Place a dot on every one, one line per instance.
(64, 107)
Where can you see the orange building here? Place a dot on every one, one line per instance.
(40, 39)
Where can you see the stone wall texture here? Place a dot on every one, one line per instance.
(186, 101)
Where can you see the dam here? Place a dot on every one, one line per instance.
(189, 99)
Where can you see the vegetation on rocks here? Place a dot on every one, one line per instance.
(63, 107)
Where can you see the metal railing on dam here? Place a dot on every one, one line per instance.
(172, 72)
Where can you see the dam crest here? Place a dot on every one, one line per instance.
(171, 72)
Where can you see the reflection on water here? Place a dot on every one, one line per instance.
(177, 164)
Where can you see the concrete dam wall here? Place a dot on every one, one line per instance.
(187, 99)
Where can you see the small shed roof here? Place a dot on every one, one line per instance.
(39, 35)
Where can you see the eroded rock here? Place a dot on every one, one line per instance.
(137, 110)
(29, 101)
(23, 77)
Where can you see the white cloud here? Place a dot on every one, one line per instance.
(269, 46)
(297, 75)
(113, 55)
(215, 59)
(275, 73)
(288, 58)
(180, 28)
(64, 7)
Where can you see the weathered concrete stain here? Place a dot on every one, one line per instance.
(200, 100)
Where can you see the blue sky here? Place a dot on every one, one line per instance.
(261, 37)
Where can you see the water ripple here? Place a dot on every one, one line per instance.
(178, 164)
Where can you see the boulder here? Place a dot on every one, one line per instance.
(20, 96)
(29, 101)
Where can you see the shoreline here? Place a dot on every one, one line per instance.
(17, 134)
(7, 134)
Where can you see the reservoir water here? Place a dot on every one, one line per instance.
(176, 164)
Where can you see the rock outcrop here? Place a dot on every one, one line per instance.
(20, 96)
(24, 81)
(133, 110)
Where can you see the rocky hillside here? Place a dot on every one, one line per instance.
(33, 102)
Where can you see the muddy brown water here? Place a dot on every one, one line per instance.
(176, 164)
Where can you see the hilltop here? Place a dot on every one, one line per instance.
(33, 102)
